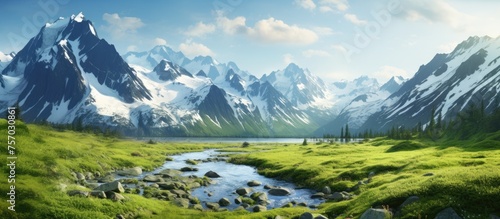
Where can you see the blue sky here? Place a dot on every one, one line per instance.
(334, 39)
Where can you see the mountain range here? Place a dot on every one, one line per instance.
(67, 74)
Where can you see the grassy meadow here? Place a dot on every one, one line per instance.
(465, 174)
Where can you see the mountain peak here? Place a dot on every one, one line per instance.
(292, 67)
(78, 18)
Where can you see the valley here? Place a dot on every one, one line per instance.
(380, 173)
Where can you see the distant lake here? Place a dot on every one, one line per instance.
(225, 140)
(234, 140)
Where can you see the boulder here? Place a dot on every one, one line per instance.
(320, 217)
(212, 205)
(243, 191)
(152, 178)
(169, 173)
(306, 215)
(98, 194)
(373, 213)
(326, 190)
(181, 202)
(254, 183)
(192, 162)
(212, 174)
(448, 213)
(268, 186)
(407, 202)
(337, 196)
(112, 186)
(114, 196)
(196, 207)
(287, 205)
(106, 179)
(80, 176)
(134, 171)
(259, 197)
(259, 208)
(78, 193)
(189, 169)
(179, 193)
(238, 200)
(223, 202)
(279, 191)
(318, 195)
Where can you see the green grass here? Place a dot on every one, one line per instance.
(466, 174)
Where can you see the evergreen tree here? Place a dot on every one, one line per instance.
(342, 133)
(347, 133)
(439, 122)
(304, 142)
(432, 123)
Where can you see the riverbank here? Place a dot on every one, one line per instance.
(462, 175)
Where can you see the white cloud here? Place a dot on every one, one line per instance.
(269, 30)
(386, 72)
(132, 48)
(200, 29)
(323, 31)
(340, 5)
(192, 49)
(287, 58)
(307, 4)
(354, 19)
(121, 26)
(159, 41)
(340, 48)
(276, 31)
(236, 25)
(325, 9)
(315, 53)
(433, 11)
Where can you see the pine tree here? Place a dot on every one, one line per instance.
(304, 142)
(347, 133)
(342, 133)
(439, 122)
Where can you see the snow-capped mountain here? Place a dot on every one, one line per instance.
(5, 59)
(360, 98)
(67, 74)
(202, 65)
(448, 83)
(303, 89)
(66, 68)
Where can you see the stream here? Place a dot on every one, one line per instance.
(233, 177)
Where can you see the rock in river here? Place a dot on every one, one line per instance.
(279, 191)
(254, 183)
(212, 174)
(243, 191)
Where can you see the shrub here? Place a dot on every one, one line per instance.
(245, 144)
